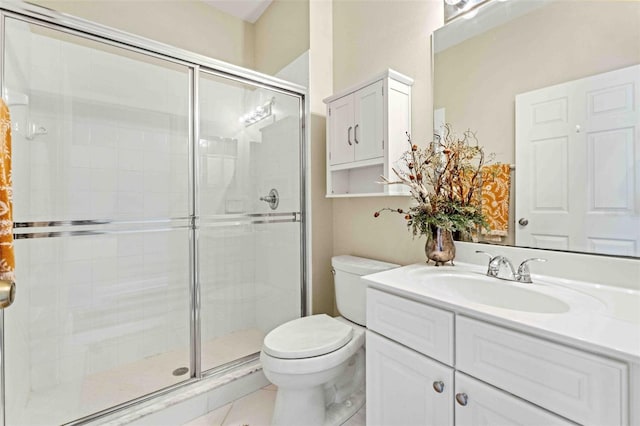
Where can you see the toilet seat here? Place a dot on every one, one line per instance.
(307, 337)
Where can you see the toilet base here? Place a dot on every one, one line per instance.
(308, 404)
(295, 404)
(339, 413)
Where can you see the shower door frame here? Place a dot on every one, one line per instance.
(195, 63)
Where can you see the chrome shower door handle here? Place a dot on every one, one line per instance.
(7, 293)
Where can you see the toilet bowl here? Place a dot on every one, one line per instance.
(318, 362)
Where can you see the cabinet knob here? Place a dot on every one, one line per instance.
(462, 398)
(438, 386)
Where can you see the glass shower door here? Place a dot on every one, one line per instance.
(249, 231)
(101, 199)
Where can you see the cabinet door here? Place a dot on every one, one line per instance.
(341, 130)
(400, 386)
(488, 406)
(369, 122)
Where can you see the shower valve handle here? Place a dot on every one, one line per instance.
(273, 199)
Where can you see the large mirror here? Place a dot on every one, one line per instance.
(551, 87)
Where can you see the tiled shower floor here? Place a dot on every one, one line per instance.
(108, 388)
(255, 409)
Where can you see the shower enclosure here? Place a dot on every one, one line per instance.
(151, 250)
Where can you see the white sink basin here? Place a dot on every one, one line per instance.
(498, 293)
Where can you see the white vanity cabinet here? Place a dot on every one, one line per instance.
(366, 134)
(497, 376)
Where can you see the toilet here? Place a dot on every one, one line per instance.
(318, 362)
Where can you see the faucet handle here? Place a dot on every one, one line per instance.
(484, 252)
(493, 268)
(523, 275)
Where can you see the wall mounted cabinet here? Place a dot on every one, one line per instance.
(366, 134)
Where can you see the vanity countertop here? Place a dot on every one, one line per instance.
(599, 318)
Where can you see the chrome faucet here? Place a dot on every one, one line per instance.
(522, 275)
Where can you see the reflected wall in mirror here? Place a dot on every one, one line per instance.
(552, 88)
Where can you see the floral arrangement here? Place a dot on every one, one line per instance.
(445, 180)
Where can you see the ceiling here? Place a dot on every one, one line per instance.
(248, 10)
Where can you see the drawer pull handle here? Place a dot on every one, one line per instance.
(462, 398)
(438, 386)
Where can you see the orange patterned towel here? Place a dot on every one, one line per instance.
(7, 261)
(496, 180)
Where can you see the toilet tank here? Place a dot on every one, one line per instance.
(351, 289)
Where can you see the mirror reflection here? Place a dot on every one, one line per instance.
(552, 88)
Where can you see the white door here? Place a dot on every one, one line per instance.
(368, 128)
(478, 404)
(341, 130)
(609, 143)
(578, 165)
(401, 386)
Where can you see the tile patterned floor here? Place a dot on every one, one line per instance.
(255, 409)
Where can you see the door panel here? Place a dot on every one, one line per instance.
(369, 122)
(249, 252)
(341, 128)
(100, 159)
(400, 386)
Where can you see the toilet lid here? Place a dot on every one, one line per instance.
(307, 337)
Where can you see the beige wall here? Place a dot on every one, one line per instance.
(187, 24)
(370, 36)
(321, 86)
(281, 35)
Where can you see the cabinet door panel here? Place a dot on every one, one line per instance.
(369, 122)
(423, 328)
(341, 130)
(487, 406)
(400, 386)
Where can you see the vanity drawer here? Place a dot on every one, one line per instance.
(423, 328)
(585, 388)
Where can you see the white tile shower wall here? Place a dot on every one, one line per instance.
(278, 264)
(222, 148)
(104, 115)
(94, 306)
(228, 280)
(275, 164)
